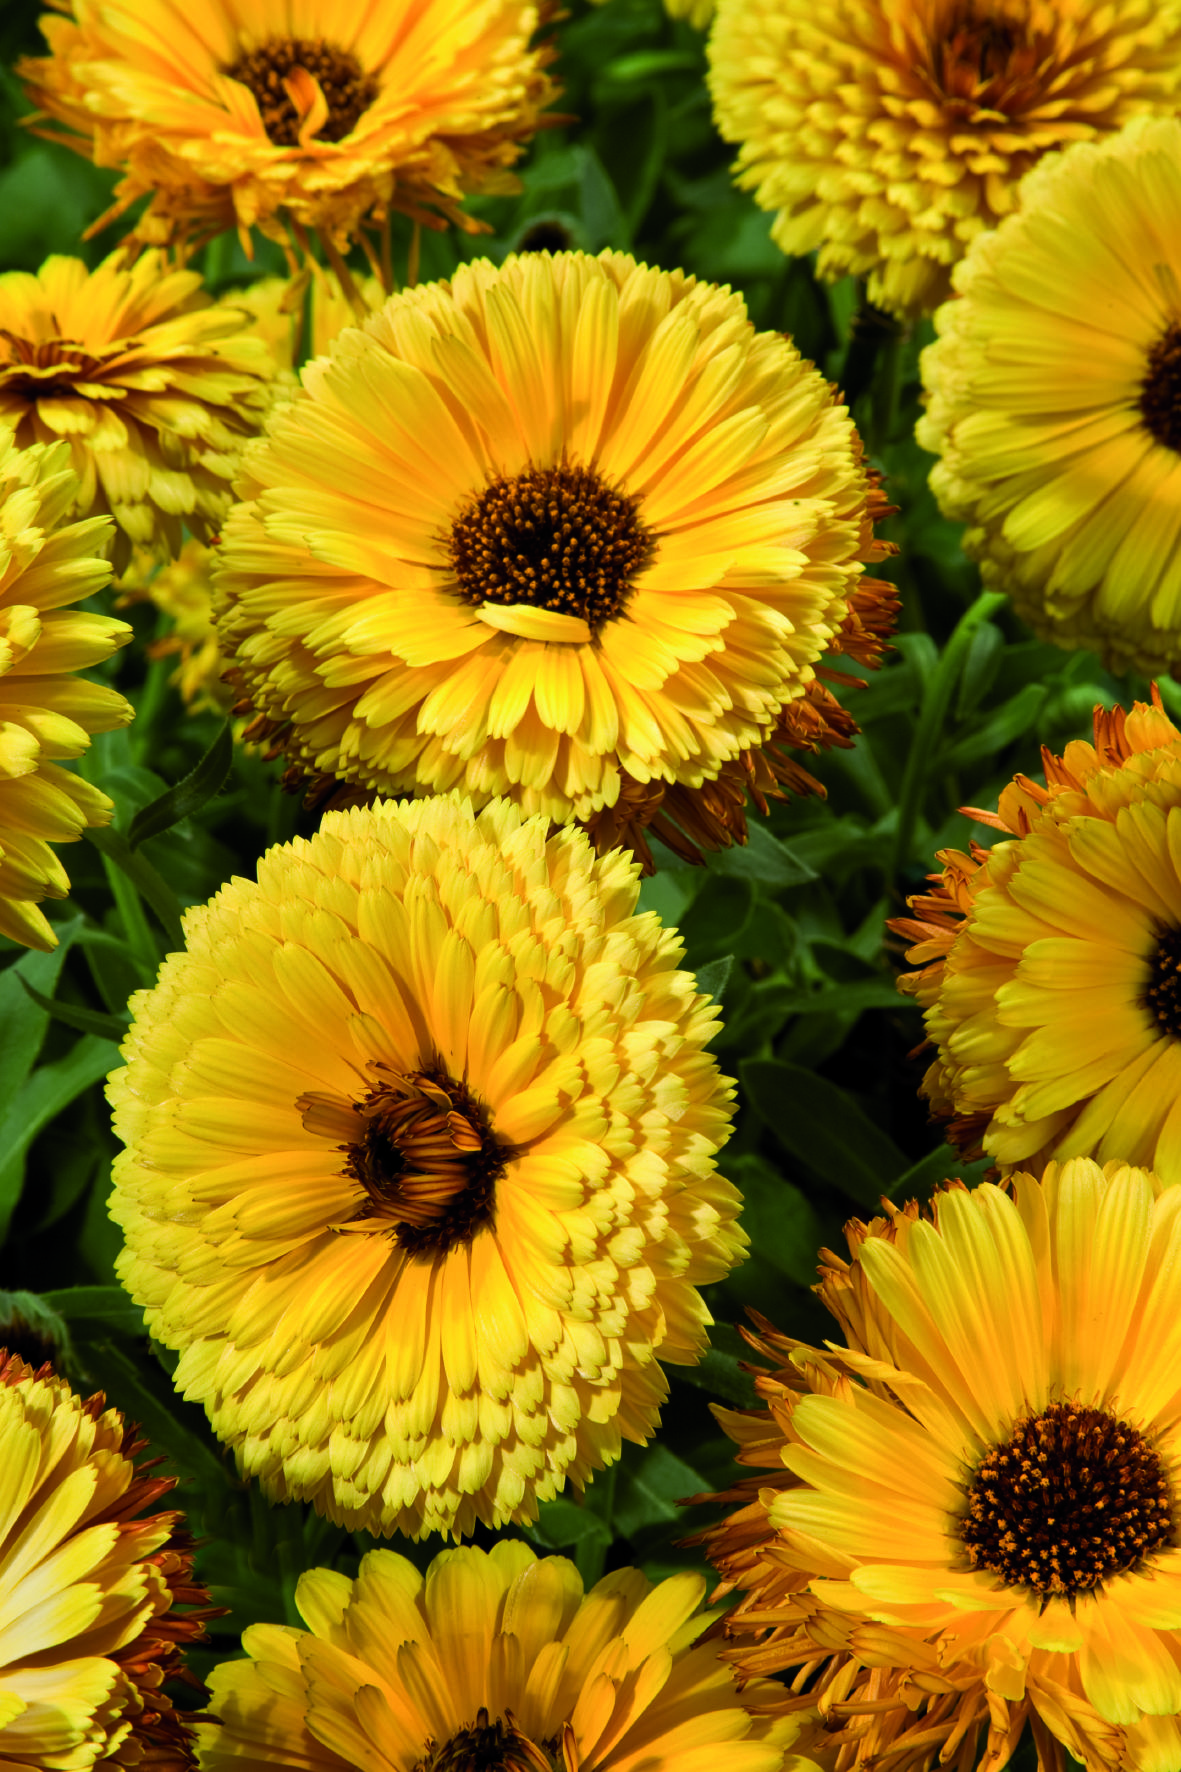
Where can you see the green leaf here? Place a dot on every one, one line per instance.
(106, 1305)
(849, 999)
(824, 1128)
(763, 858)
(778, 1217)
(87, 1021)
(44, 1095)
(647, 1494)
(713, 976)
(941, 1164)
(189, 795)
(145, 1393)
(150, 885)
(22, 1021)
(1013, 720)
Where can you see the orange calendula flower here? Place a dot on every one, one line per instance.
(1054, 393)
(499, 1660)
(887, 134)
(153, 386)
(1050, 976)
(595, 537)
(967, 1520)
(48, 713)
(422, 1235)
(316, 115)
(99, 1601)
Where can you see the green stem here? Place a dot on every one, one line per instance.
(924, 757)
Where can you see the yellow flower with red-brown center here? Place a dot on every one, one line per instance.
(97, 1599)
(887, 134)
(48, 713)
(317, 116)
(967, 1517)
(595, 537)
(419, 1174)
(154, 387)
(494, 1659)
(1050, 977)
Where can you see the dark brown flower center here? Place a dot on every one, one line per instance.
(1074, 1495)
(1160, 391)
(43, 368)
(557, 538)
(1162, 993)
(422, 1147)
(489, 1747)
(348, 90)
(986, 56)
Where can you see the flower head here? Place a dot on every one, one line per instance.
(1051, 962)
(971, 1516)
(181, 590)
(493, 1659)
(47, 712)
(318, 116)
(153, 386)
(889, 133)
(94, 1577)
(421, 1234)
(594, 535)
(1055, 399)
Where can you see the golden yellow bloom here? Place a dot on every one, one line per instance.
(568, 530)
(182, 591)
(970, 1517)
(1055, 399)
(889, 133)
(493, 1659)
(317, 114)
(153, 386)
(90, 1628)
(420, 1167)
(279, 320)
(1051, 963)
(47, 712)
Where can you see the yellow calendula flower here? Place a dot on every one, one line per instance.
(48, 713)
(277, 307)
(493, 1659)
(312, 116)
(153, 386)
(593, 540)
(1055, 399)
(96, 1582)
(1050, 976)
(419, 1173)
(887, 134)
(970, 1517)
(182, 591)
